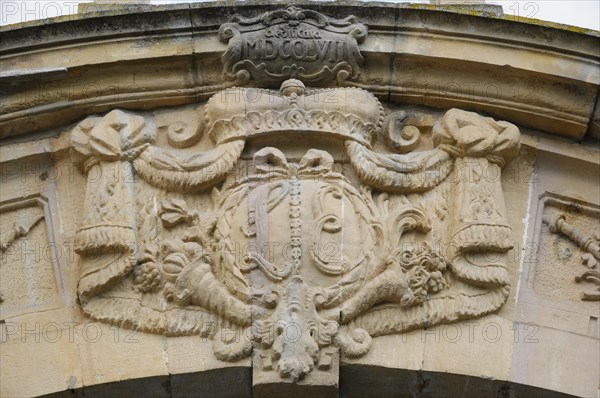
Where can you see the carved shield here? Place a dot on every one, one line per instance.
(294, 219)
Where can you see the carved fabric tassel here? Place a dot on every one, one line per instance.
(480, 235)
(106, 240)
(480, 232)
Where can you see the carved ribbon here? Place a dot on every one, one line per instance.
(467, 134)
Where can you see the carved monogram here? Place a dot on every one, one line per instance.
(292, 43)
(293, 245)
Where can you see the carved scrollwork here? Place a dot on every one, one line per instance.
(292, 43)
(355, 343)
(18, 229)
(401, 130)
(182, 135)
(22, 220)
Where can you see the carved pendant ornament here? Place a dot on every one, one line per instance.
(301, 255)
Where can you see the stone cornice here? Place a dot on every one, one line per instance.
(540, 75)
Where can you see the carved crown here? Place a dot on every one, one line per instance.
(350, 113)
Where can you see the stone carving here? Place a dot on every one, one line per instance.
(292, 244)
(29, 274)
(292, 43)
(18, 229)
(402, 130)
(558, 223)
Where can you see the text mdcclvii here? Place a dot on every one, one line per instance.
(186, 230)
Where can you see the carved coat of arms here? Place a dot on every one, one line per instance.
(304, 251)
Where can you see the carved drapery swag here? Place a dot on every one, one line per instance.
(177, 241)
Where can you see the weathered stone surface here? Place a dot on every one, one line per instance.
(274, 198)
(423, 54)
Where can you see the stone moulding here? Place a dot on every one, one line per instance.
(177, 54)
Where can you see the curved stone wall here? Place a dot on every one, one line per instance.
(264, 200)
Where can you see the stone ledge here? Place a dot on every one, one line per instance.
(139, 57)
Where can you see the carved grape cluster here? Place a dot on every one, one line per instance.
(424, 272)
(146, 277)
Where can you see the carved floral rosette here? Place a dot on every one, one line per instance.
(191, 246)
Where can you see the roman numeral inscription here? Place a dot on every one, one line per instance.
(296, 49)
(292, 43)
